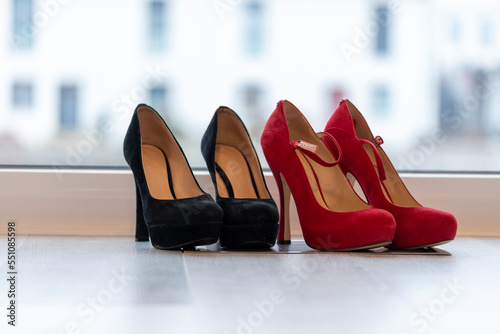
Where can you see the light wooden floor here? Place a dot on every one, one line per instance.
(115, 285)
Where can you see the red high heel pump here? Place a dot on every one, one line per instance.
(332, 216)
(364, 158)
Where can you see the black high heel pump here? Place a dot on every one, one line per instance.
(172, 209)
(250, 214)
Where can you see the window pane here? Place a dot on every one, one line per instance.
(254, 34)
(158, 99)
(23, 29)
(382, 19)
(68, 107)
(157, 25)
(425, 74)
(22, 95)
(380, 100)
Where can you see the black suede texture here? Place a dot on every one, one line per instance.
(248, 211)
(175, 212)
(237, 211)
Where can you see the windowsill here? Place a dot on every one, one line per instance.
(49, 201)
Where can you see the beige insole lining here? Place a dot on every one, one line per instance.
(155, 169)
(333, 187)
(393, 188)
(234, 165)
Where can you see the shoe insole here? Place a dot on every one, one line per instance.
(371, 155)
(157, 172)
(330, 187)
(392, 187)
(234, 177)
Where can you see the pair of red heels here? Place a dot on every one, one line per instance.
(313, 167)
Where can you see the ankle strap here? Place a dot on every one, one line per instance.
(310, 149)
(380, 165)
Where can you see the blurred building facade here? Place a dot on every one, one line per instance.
(73, 71)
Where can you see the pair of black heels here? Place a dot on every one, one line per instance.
(172, 209)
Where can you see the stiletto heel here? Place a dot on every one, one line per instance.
(331, 215)
(284, 235)
(141, 230)
(250, 214)
(416, 226)
(171, 206)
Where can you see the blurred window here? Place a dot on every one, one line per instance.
(380, 100)
(68, 107)
(254, 32)
(382, 38)
(23, 29)
(158, 99)
(22, 95)
(157, 25)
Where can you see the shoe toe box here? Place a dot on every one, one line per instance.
(422, 226)
(249, 211)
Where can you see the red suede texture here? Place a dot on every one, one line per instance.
(415, 226)
(322, 228)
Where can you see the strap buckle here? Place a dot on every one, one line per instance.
(311, 149)
(378, 141)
